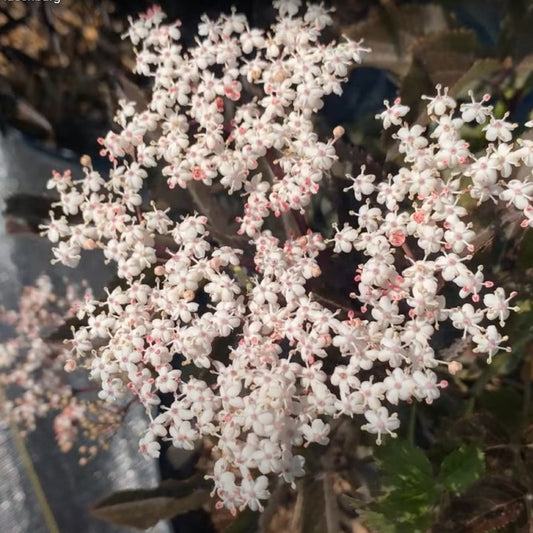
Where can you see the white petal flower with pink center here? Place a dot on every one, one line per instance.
(499, 129)
(379, 422)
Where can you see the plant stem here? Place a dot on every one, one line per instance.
(412, 424)
(526, 400)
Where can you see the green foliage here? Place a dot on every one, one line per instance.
(401, 462)
(462, 468)
(377, 522)
(412, 491)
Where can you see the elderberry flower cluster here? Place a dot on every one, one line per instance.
(32, 368)
(33, 381)
(236, 111)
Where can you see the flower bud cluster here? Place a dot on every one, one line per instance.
(236, 110)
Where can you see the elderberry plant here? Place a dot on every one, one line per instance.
(236, 111)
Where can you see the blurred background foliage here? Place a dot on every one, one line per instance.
(462, 465)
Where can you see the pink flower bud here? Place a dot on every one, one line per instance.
(338, 132)
(70, 365)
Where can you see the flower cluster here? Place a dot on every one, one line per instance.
(32, 367)
(33, 372)
(236, 111)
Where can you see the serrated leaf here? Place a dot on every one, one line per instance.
(410, 490)
(143, 508)
(400, 463)
(408, 504)
(461, 468)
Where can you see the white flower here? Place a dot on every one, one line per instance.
(393, 114)
(399, 386)
(362, 184)
(498, 305)
(426, 386)
(67, 253)
(477, 111)
(489, 342)
(253, 491)
(517, 192)
(344, 239)
(379, 422)
(467, 318)
(441, 103)
(316, 432)
(499, 129)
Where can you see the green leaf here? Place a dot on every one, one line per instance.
(402, 463)
(143, 508)
(461, 468)
(410, 489)
(408, 504)
(376, 522)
